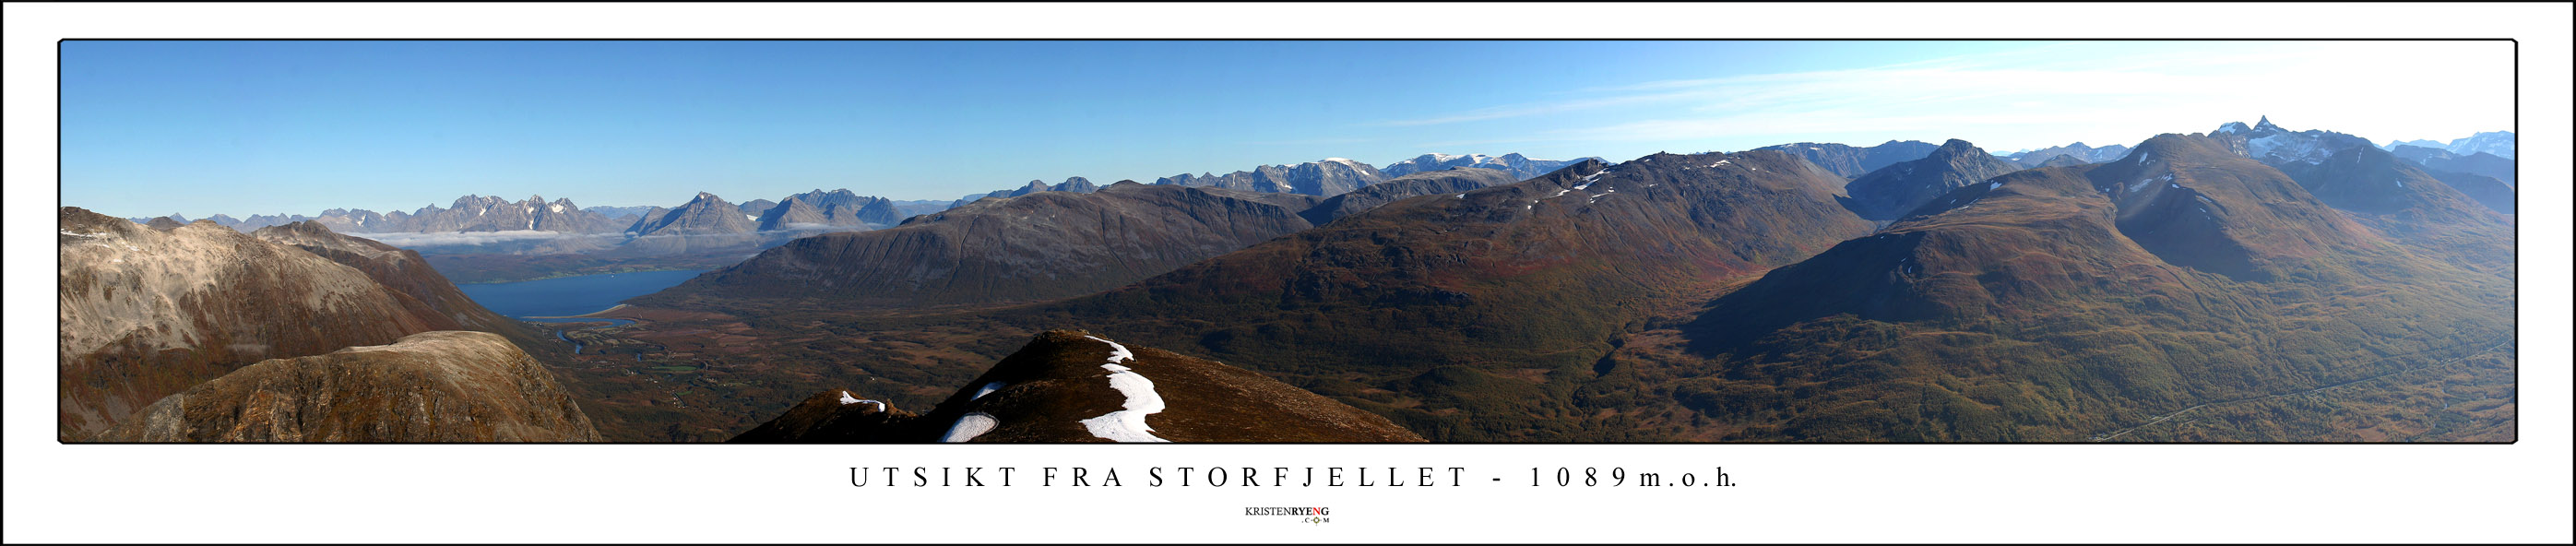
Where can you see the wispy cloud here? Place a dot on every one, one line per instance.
(2052, 92)
(1528, 109)
(1302, 142)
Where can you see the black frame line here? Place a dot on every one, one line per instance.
(2517, 226)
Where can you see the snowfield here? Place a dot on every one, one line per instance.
(970, 426)
(1126, 425)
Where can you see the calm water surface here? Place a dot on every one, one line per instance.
(570, 295)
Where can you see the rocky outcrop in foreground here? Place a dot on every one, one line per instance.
(447, 386)
(1071, 386)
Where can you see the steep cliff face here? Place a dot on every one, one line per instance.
(1071, 386)
(148, 312)
(448, 386)
(428, 294)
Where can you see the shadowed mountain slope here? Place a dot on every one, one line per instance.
(1889, 192)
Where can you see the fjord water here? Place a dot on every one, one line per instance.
(570, 295)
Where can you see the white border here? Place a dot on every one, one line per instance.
(1974, 493)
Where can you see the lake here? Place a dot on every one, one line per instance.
(567, 296)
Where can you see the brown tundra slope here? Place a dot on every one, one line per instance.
(2091, 302)
(449, 386)
(147, 312)
(1039, 246)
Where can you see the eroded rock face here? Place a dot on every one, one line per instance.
(429, 294)
(148, 312)
(1073, 386)
(446, 386)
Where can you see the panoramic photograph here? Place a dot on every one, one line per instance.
(1287, 241)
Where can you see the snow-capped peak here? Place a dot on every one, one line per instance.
(2266, 123)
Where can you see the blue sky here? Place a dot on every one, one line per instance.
(246, 127)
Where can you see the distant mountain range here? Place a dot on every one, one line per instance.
(1325, 178)
(2350, 173)
(1075, 184)
(1050, 244)
(2496, 143)
(1330, 177)
(816, 210)
(2078, 151)
(480, 224)
(2481, 163)
(1518, 166)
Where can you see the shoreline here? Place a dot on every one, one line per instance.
(564, 275)
(589, 315)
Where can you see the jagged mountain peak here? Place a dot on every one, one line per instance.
(1890, 192)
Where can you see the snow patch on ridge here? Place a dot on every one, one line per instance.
(846, 399)
(969, 426)
(1126, 425)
